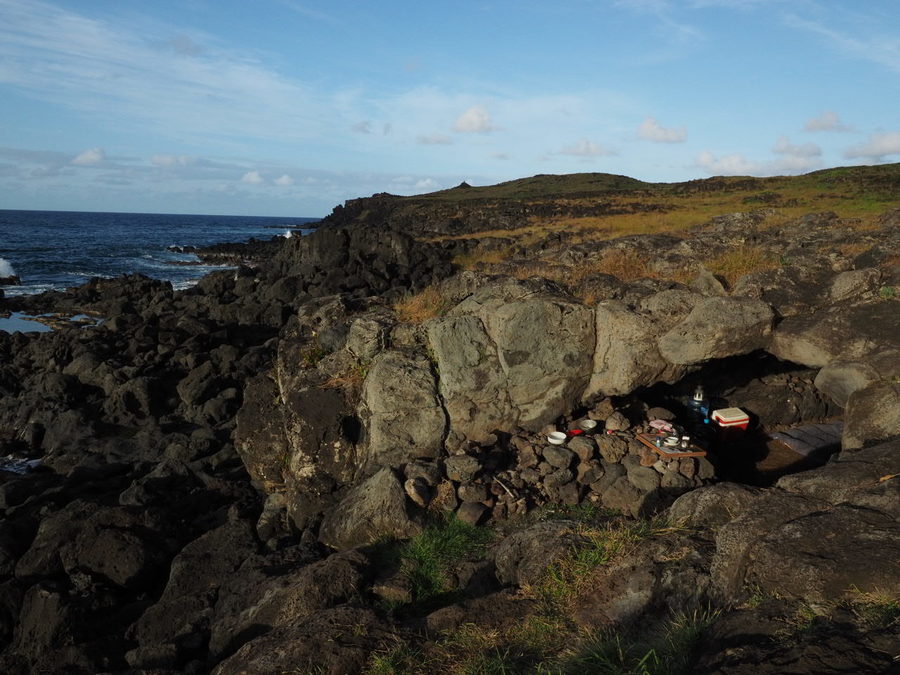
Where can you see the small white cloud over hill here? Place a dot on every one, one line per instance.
(650, 130)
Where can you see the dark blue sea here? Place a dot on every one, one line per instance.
(59, 249)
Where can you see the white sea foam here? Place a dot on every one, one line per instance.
(288, 234)
(6, 270)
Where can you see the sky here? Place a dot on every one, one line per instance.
(290, 107)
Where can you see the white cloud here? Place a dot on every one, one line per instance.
(783, 146)
(434, 139)
(737, 165)
(877, 147)
(284, 180)
(827, 121)
(91, 157)
(650, 130)
(728, 165)
(364, 127)
(252, 178)
(426, 184)
(586, 148)
(172, 160)
(474, 120)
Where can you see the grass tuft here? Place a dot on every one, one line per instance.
(419, 307)
(427, 558)
(738, 262)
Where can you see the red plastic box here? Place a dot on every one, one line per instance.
(731, 418)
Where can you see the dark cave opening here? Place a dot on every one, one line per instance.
(792, 425)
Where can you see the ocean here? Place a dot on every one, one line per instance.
(58, 249)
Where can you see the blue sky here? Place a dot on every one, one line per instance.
(288, 107)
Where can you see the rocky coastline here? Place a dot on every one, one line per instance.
(227, 473)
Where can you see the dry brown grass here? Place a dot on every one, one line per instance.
(350, 381)
(419, 307)
(479, 257)
(738, 262)
(851, 250)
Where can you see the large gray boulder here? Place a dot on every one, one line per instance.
(626, 355)
(823, 556)
(545, 347)
(544, 343)
(401, 408)
(374, 508)
(717, 328)
(838, 332)
(841, 378)
(473, 384)
(872, 414)
(338, 640)
(868, 478)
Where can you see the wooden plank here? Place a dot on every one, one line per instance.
(650, 441)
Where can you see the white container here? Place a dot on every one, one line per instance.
(587, 425)
(556, 437)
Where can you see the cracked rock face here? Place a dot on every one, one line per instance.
(511, 355)
(400, 405)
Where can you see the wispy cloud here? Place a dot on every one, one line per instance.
(737, 164)
(783, 146)
(875, 46)
(92, 157)
(650, 130)
(475, 120)
(827, 121)
(151, 74)
(586, 148)
(877, 147)
(434, 139)
(253, 178)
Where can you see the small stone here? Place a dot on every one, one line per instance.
(661, 466)
(461, 468)
(611, 473)
(471, 512)
(430, 472)
(612, 448)
(558, 456)
(545, 468)
(589, 472)
(558, 478)
(674, 482)
(530, 476)
(472, 492)
(568, 494)
(418, 491)
(658, 413)
(445, 497)
(648, 457)
(617, 422)
(687, 468)
(643, 478)
(528, 457)
(705, 469)
(601, 410)
(395, 589)
(583, 447)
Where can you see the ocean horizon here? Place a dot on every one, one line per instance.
(53, 250)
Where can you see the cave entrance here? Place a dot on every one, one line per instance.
(792, 425)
